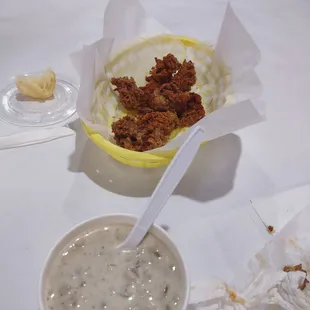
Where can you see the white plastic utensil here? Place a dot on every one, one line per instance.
(165, 187)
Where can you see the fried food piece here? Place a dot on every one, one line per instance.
(158, 102)
(195, 99)
(185, 78)
(149, 88)
(169, 98)
(195, 111)
(154, 98)
(159, 94)
(158, 126)
(292, 268)
(304, 283)
(177, 99)
(145, 132)
(162, 105)
(270, 229)
(148, 91)
(130, 95)
(165, 121)
(171, 63)
(126, 132)
(164, 69)
(126, 126)
(192, 116)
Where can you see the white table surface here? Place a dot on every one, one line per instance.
(46, 189)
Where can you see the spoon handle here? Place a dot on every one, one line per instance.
(166, 186)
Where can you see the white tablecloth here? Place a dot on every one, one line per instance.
(46, 189)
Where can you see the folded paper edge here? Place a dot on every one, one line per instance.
(231, 21)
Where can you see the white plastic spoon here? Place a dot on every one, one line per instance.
(165, 188)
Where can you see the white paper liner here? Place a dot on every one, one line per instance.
(126, 23)
(264, 284)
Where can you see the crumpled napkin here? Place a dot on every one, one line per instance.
(264, 284)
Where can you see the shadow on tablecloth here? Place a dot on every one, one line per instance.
(210, 176)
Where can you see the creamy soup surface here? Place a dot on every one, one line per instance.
(91, 274)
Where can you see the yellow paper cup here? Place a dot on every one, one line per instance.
(142, 159)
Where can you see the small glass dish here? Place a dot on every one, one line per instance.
(21, 110)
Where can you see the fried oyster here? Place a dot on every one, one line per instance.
(163, 104)
(145, 132)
